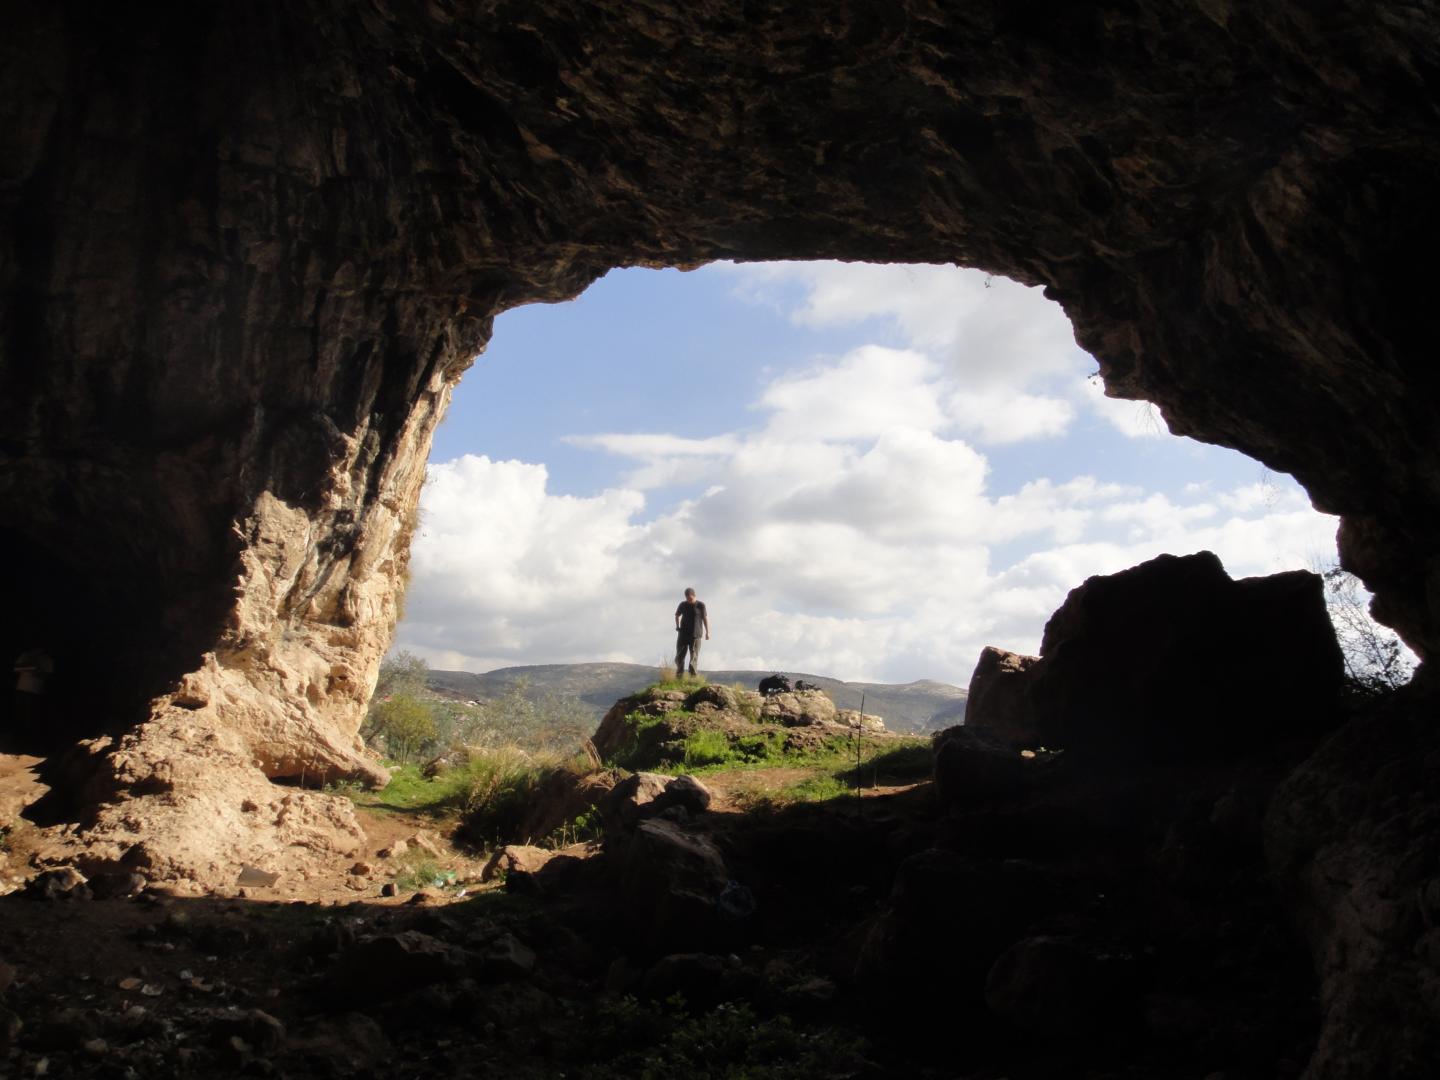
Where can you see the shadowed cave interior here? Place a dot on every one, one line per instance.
(245, 253)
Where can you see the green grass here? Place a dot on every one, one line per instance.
(912, 760)
(580, 829)
(409, 791)
(706, 747)
(417, 871)
(687, 683)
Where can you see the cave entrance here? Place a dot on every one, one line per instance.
(75, 630)
(869, 471)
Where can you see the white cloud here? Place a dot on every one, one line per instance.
(1003, 357)
(881, 568)
(855, 528)
(864, 393)
(997, 418)
(1136, 419)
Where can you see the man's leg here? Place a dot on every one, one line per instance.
(682, 642)
(694, 654)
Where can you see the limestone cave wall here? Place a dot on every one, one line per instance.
(246, 250)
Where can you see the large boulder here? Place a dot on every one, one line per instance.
(1171, 658)
(973, 770)
(670, 881)
(798, 708)
(995, 702)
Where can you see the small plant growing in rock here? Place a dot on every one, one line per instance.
(1376, 661)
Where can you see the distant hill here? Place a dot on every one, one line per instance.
(925, 705)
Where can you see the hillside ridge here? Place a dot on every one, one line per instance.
(921, 705)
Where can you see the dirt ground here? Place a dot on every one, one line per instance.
(162, 984)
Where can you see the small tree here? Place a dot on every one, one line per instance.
(1376, 661)
(402, 673)
(405, 722)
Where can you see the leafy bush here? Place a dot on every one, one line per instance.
(402, 673)
(404, 723)
(583, 827)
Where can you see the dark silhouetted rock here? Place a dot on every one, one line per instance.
(390, 964)
(1173, 658)
(971, 769)
(947, 920)
(687, 793)
(670, 882)
(1060, 989)
(995, 703)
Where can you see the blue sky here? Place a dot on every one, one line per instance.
(867, 472)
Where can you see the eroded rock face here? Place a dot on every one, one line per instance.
(995, 702)
(243, 260)
(1168, 659)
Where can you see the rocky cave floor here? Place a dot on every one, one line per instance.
(995, 922)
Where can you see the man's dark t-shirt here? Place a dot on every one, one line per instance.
(692, 618)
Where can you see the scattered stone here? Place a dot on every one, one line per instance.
(515, 858)
(687, 792)
(390, 964)
(61, 883)
(420, 897)
(255, 1027)
(342, 1045)
(118, 886)
(394, 851)
(96, 1047)
(253, 877)
(362, 869)
(426, 843)
(389, 889)
(623, 807)
(854, 718)
(505, 958)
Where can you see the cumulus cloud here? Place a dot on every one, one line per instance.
(843, 574)
(851, 524)
(1003, 355)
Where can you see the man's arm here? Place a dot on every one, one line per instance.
(705, 618)
(677, 617)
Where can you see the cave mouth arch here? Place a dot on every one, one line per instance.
(827, 406)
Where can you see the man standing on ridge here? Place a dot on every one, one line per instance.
(691, 621)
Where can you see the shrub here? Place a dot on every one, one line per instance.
(404, 722)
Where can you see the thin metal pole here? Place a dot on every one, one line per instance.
(859, 729)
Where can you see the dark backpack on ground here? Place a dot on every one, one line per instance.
(774, 684)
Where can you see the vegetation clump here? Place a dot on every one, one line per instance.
(627, 1038)
(407, 722)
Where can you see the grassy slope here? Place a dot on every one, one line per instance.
(925, 705)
